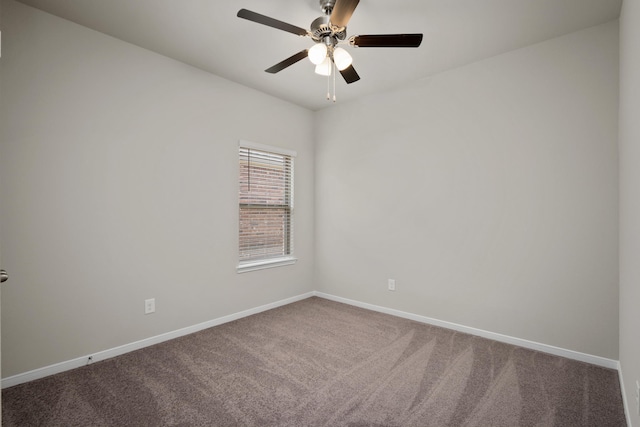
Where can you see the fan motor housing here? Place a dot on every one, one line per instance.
(321, 29)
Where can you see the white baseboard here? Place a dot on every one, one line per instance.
(557, 351)
(625, 403)
(117, 351)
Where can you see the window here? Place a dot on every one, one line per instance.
(266, 207)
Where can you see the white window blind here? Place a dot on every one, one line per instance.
(266, 205)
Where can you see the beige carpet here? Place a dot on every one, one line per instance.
(322, 363)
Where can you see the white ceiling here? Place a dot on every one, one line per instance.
(208, 35)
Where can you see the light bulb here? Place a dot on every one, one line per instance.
(318, 53)
(342, 58)
(324, 68)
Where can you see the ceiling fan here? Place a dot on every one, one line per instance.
(327, 32)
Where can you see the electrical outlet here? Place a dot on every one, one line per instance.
(391, 284)
(149, 306)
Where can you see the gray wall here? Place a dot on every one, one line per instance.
(488, 192)
(118, 183)
(630, 201)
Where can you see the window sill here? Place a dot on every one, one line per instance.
(262, 264)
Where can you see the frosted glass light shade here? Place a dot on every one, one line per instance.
(318, 53)
(324, 68)
(342, 58)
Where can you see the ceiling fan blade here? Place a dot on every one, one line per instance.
(387, 40)
(342, 12)
(271, 22)
(350, 74)
(288, 62)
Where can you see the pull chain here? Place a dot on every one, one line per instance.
(328, 87)
(334, 81)
(331, 71)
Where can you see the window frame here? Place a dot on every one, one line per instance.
(288, 259)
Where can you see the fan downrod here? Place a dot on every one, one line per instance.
(321, 28)
(327, 6)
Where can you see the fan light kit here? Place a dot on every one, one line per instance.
(327, 32)
(318, 53)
